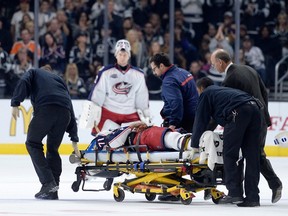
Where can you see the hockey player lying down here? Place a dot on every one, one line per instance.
(155, 138)
(159, 139)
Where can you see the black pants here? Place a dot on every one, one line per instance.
(244, 134)
(265, 165)
(52, 121)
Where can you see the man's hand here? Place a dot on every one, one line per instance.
(172, 127)
(15, 112)
(76, 150)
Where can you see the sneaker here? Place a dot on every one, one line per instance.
(276, 194)
(248, 204)
(47, 191)
(230, 200)
(168, 198)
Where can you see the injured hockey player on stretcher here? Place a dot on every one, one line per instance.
(139, 142)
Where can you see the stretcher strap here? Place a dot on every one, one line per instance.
(137, 146)
(183, 144)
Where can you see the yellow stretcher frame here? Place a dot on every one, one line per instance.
(151, 179)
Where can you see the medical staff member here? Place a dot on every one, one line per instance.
(53, 115)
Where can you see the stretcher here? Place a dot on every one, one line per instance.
(154, 173)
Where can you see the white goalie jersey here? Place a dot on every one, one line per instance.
(122, 92)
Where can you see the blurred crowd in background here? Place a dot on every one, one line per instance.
(71, 37)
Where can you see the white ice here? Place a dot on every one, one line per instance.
(19, 183)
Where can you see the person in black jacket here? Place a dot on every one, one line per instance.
(240, 115)
(53, 115)
(248, 80)
(179, 93)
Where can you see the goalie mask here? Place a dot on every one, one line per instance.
(123, 45)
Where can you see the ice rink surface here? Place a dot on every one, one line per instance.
(19, 183)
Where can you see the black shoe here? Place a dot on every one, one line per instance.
(48, 196)
(168, 198)
(230, 200)
(248, 204)
(48, 191)
(276, 194)
(207, 194)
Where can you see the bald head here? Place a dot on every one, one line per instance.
(220, 60)
(222, 55)
(46, 67)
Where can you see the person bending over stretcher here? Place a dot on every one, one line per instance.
(138, 133)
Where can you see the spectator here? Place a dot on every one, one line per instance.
(30, 27)
(138, 49)
(195, 70)
(91, 80)
(128, 24)
(19, 66)
(187, 28)
(75, 84)
(81, 55)
(99, 51)
(96, 10)
(254, 57)
(83, 26)
(153, 82)
(25, 19)
(17, 18)
(141, 12)
(115, 21)
(214, 11)
(272, 51)
(53, 54)
(55, 29)
(156, 22)
(66, 27)
(182, 43)
(275, 7)
(281, 31)
(5, 36)
(211, 71)
(27, 43)
(160, 8)
(219, 41)
(45, 16)
(69, 9)
(193, 16)
(254, 15)
(149, 35)
(4, 66)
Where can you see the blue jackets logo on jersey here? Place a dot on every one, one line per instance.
(122, 88)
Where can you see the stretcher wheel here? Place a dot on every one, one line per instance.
(75, 186)
(107, 184)
(186, 201)
(150, 196)
(216, 200)
(121, 196)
